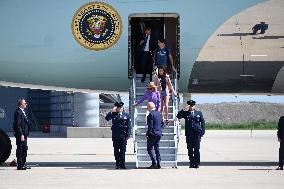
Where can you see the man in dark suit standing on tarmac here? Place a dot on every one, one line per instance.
(280, 135)
(21, 132)
(154, 134)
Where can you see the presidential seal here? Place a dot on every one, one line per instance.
(96, 26)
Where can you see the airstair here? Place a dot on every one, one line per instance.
(171, 133)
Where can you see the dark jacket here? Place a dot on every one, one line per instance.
(120, 124)
(153, 44)
(280, 130)
(154, 123)
(20, 124)
(194, 125)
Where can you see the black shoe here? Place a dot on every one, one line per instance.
(117, 167)
(21, 168)
(158, 167)
(167, 122)
(279, 168)
(143, 79)
(152, 167)
(122, 167)
(196, 166)
(27, 167)
(191, 166)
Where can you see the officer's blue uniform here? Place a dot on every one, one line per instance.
(194, 130)
(121, 130)
(154, 134)
(280, 134)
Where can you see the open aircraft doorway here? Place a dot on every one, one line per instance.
(163, 26)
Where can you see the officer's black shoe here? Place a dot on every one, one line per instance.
(158, 167)
(152, 167)
(27, 167)
(143, 79)
(21, 168)
(279, 168)
(122, 167)
(196, 166)
(117, 167)
(191, 166)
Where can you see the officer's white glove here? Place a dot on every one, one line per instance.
(114, 109)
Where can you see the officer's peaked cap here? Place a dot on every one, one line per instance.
(191, 102)
(118, 104)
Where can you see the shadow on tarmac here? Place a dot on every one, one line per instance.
(132, 165)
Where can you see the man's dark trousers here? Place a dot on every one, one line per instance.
(146, 64)
(281, 154)
(193, 146)
(21, 152)
(153, 141)
(119, 146)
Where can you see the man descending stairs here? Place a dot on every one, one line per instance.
(169, 139)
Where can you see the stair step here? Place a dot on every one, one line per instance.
(163, 150)
(142, 118)
(164, 157)
(144, 126)
(141, 164)
(145, 107)
(165, 130)
(144, 134)
(162, 144)
(164, 137)
(144, 113)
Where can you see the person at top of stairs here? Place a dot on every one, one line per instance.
(164, 85)
(152, 95)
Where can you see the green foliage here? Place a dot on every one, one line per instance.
(241, 126)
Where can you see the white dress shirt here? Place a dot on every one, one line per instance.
(147, 43)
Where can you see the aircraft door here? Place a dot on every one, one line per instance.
(163, 25)
(171, 33)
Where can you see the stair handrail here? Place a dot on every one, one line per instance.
(175, 110)
(134, 110)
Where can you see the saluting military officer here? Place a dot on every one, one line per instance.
(121, 129)
(194, 130)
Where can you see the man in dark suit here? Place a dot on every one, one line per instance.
(280, 135)
(148, 47)
(154, 134)
(121, 130)
(194, 130)
(21, 132)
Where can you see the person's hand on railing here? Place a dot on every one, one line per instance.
(175, 93)
(175, 70)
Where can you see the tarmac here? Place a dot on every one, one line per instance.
(229, 159)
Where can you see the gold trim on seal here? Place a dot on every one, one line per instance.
(116, 25)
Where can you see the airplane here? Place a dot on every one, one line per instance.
(39, 49)
(84, 46)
